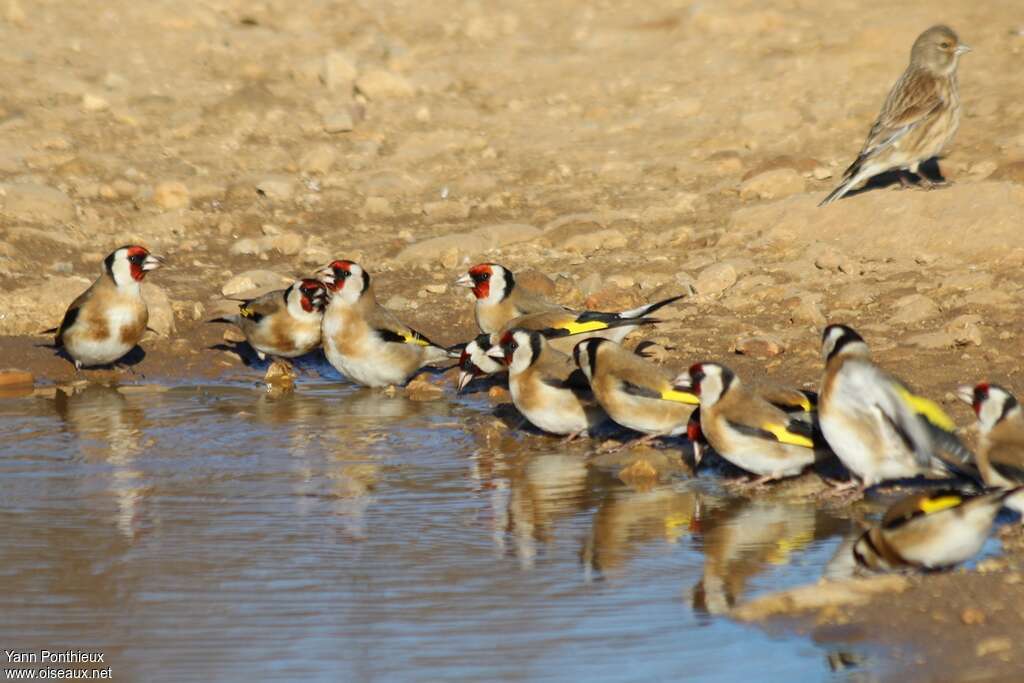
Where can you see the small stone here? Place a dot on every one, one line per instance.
(288, 243)
(716, 278)
(993, 646)
(276, 187)
(91, 102)
(449, 209)
(400, 303)
(378, 206)
(381, 84)
(252, 280)
(338, 121)
(589, 242)
(774, 184)
(439, 288)
(639, 474)
(247, 246)
(822, 173)
(913, 308)
(621, 281)
(171, 195)
(421, 389)
(966, 329)
(972, 616)
(319, 160)
(233, 335)
(933, 340)
(339, 72)
(161, 312)
(589, 284)
(760, 346)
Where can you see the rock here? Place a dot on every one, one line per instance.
(339, 72)
(11, 378)
(288, 243)
(473, 243)
(966, 329)
(247, 246)
(913, 308)
(33, 308)
(400, 303)
(378, 206)
(760, 346)
(716, 278)
(93, 102)
(38, 203)
(233, 335)
(821, 595)
(585, 240)
(1012, 171)
(171, 195)
(161, 313)
(933, 340)
(993, 646)
(437, 288)
(972, 616)
(421, 389)
(380, 84)
(277, 187)
(781, 182)
(589, 284)
(338, 121)
(640, 474)
(319, 160)
(621, 281)
(254, 280)
(446, 210)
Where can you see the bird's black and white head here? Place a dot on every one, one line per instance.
(992, 404)
(710, 381)
(128, 265)
(841, 340)
(491, 283)
(938, 49)
(474, 361)
(585, 354)
(519, 348)
(344, 280)
(306, 297)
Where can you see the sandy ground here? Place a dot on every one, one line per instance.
(628, 150)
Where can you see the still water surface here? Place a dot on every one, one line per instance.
(217, 534)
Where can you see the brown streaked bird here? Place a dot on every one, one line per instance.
(746, 429)
(107, 320)
(363, 340)
(501, 305)
(546, 386)
(1001, 442)
(634, 392)
(284, 323)
(920, 116)
(932, 531)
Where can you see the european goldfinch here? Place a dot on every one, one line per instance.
(546, 386)
(746, 429)
(875, 425)
(501, 305)
(634, 392)
(284, 323)
(474, 361)
(1000, 454)
(934, 530)
(363, 340)
(107, 320)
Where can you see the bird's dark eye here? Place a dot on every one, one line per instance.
(485, 276)
(513, 346)
(342, 274)
(945, 46)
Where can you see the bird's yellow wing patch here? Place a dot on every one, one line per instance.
(927, 409)
(246, 312)
(680, 396)
(938, 504)
(805, 405)
(785, 436)
(573, 327)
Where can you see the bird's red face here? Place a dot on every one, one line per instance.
(696, 377)
(481, 275)
(509, 345)
(980, 396)
(338, 273)
(314, 295)
(137, 262)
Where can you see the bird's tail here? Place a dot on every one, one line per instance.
(851, 177)
(227, 319)
(647, 309)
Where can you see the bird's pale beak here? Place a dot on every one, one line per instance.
(961, 49)
(465, 280)
(965, 393)
(496, 352)
(698, 455)
(683, 382)
(152, 262)
(464, 379)
(326, 276)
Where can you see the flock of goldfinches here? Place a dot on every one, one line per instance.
(568, 372)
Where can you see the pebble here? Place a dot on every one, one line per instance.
(622, 281)
(252, 280)
(91, 102)
(447, 248)
(161, 312)
(380, 84)
(246, 246)
(170, 195)
(288, 243)
(319, 160)
(760, 346)
(913, 308)
(587, 242)
(972, 616)
(774, 184)
(993, 646)
(400, 303)
(446, 210)
(716, 278)
(277, 187)
(439, 288)
(338, 121)
(339, 71)
(422, 389)
(11, 377)
(965, 329)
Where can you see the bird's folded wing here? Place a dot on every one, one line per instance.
(775, 431)
(915, 97)
(912, 507)
(268, 304)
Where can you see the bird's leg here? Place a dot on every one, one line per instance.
(569, 438)
(843, 489)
